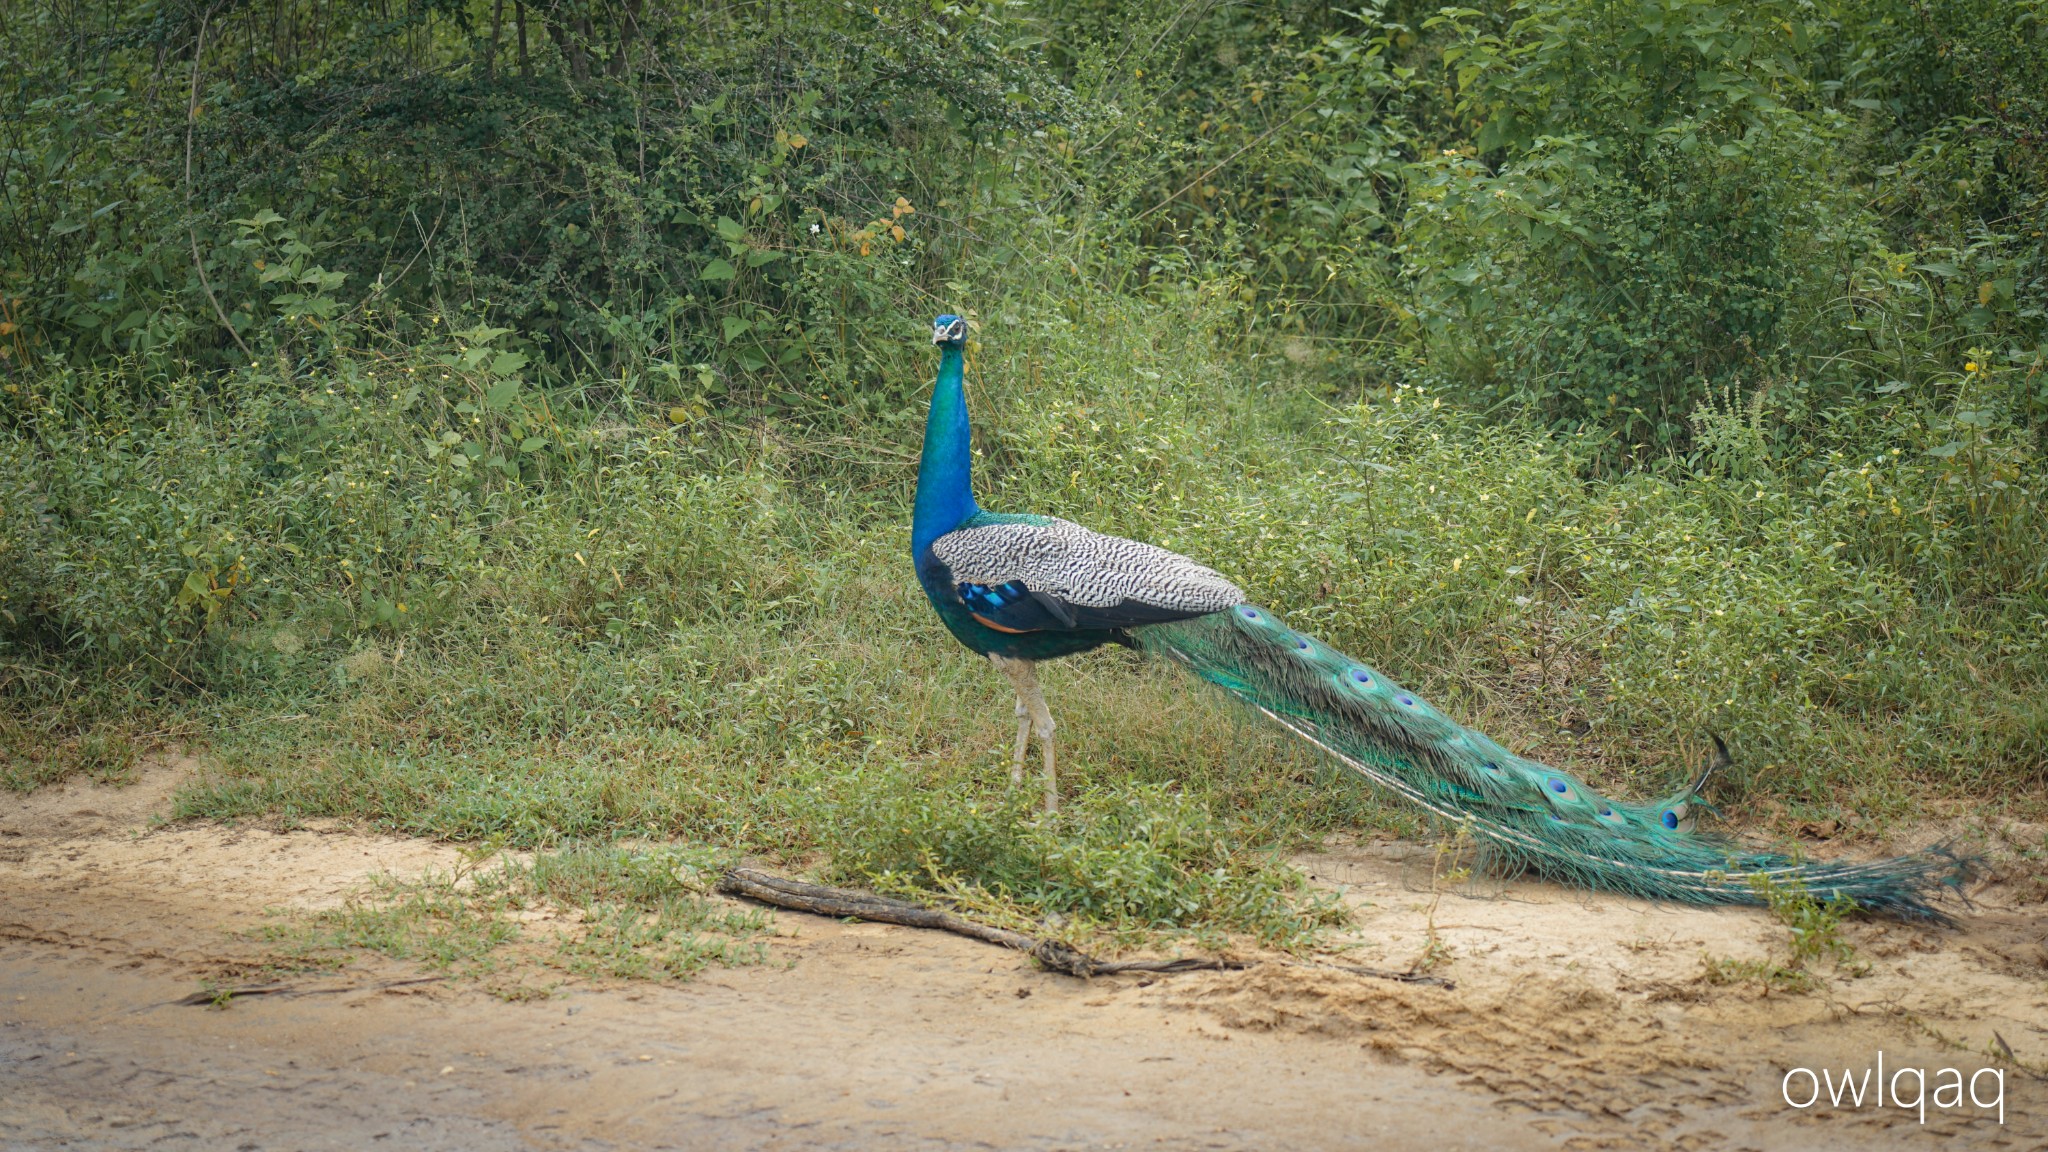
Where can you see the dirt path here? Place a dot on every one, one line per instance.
(1577, 1022)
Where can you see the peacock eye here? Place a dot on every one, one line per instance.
(1559, 786)
(1301, 644)
(1362, 676)
(1250, 613)
(1671, 820)
(1406, 701)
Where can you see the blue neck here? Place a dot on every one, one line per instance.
(945, 474)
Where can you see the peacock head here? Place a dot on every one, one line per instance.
(950, 331)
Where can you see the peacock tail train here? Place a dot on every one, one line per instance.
(1527, 815)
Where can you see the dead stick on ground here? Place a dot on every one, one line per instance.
(228, 995)
(821, 900)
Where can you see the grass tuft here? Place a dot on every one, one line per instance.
(613, 912)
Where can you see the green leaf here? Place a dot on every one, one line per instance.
(507, 363)
(533, 444)
(481, 334)
(737, 326)
(718, 270)
(502, 393)
(730, 228)
(197, 587)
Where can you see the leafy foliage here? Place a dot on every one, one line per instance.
(1651, 211)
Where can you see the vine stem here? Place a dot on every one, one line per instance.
(191, 117)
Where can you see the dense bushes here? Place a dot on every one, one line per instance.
(1664, 202)
(1595, 214)
(656, 197)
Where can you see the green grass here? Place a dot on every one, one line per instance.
(621, 913)
(709, 634)
(1814, 934)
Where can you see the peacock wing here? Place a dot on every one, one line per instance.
(1033, 574)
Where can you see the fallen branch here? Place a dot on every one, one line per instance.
(225, 996)
(840, 902)
(822, 900)
(1410, 977)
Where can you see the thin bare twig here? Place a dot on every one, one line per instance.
(1224, 163)
(384, 286)
(192, 117)
(225, 996)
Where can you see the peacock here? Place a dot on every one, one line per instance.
(1020, 589)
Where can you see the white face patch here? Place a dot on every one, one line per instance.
(1083, 568)
(946, 333)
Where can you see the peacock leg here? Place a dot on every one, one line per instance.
(1052, 788)
(1032, 717)
(1023, 741)
(1041, 723)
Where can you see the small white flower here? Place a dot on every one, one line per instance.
(814, 229)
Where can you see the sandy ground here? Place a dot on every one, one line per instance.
(1576, 1022)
